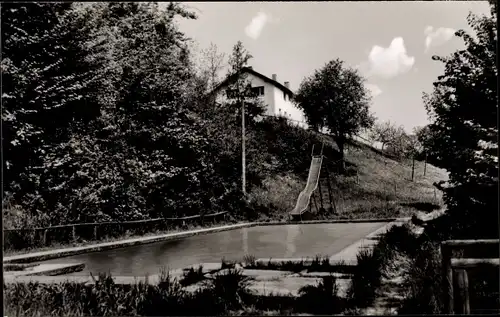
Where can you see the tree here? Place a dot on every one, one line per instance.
(399, 142)
(206, 77)
(335, 98)
(156, 152)
(48, 97)
(383, 132)
(240, 87)
(214, 62)
(96, 112)
(463, 110)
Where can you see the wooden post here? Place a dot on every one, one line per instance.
(312, 152)
(95, 232)
(243, 154)
(74, 233)
(463, 282)
(447, 278)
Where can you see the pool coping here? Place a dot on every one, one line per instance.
(59, 253)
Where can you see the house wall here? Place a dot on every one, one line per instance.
(286, 108)
(268, 98)
(274, 101)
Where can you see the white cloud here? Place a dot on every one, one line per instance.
(374, 89)
(437, 37)
(255, 27)
(388, 62)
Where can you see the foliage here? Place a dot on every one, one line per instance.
(366, 278)
(192, 276)
(423, 282)
(335, 98)
(239, 89)
(399, 143)
(131, 149)
(48, 98)
(321, 298)
(383, 132)
(463, 109)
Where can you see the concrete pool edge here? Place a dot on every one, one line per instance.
(58, 253)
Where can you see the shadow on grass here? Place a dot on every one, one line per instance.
(423, 206)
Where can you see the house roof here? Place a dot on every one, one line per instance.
(257, 74)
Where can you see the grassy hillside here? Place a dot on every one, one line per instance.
(375, 186)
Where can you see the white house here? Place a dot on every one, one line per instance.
(275, 96)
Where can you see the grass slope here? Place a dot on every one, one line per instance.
(375, 186)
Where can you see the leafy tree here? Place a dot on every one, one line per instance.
(239, 88)
(117, 136)
(383, 132)
(48, 92)
(335, 98)
(159, 165)
(463, 110)
(425, 139)
(399, 143)
(214, 62)
(207, 67)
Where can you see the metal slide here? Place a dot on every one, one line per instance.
(312, 184)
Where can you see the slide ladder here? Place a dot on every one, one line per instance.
(311, 185)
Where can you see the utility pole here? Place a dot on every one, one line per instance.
(243, 163)
(425, 163)
(413, 167)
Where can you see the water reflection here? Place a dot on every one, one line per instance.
(262, 242)
(244, 239)
(292, 233)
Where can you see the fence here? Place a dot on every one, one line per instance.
(15, 239)
(459, 256)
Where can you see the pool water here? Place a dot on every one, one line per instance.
(277, 241)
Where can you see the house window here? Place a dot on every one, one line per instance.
(258, 91)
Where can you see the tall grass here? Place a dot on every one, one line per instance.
(423, 282)
(192, 276)
(321, 298)
(106, 298)
(366, 278)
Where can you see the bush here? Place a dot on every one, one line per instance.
(424, 282)
(229, 290)
(401, 239)
(366, 278)
(321, 298)
(192, 276)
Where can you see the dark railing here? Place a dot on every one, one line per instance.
(457, 257)
(41, 237)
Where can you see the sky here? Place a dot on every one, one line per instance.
(391, 43)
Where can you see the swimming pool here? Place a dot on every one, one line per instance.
(276, 241)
